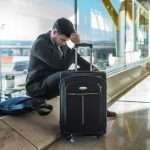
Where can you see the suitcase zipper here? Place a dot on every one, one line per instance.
(83, 111)
(82, 94)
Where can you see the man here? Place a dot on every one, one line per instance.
(50, 55)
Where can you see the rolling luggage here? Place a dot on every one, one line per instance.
(83, 101)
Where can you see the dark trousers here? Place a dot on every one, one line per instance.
(49, 88)
(46, 89)
(53, 83)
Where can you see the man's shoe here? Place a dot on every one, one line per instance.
(45, 109)
(111, 114)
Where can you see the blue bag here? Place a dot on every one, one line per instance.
(16, 105)
(20, 105)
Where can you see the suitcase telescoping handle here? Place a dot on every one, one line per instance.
(84, 45)
(76, 54)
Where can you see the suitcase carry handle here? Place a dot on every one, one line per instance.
(84, 45)
(76, 54)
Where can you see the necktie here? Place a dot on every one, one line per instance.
(60, 51)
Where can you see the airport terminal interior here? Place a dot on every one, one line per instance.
(119, 31)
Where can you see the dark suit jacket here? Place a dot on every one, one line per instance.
(45, 60)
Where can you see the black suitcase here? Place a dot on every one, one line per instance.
(83, 102)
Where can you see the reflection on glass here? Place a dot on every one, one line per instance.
(142, 31)
(109, 25)
(95, 26)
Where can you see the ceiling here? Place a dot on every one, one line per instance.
(145, 3)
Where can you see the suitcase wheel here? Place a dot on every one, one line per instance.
(99, 135)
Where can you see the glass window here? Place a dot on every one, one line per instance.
(20, 23)
(96, 26)
(142, 31)
(118, 31)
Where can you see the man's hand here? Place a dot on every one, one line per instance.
(75, 38)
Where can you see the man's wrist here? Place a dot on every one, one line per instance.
(70, 44)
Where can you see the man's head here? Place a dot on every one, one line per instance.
(61, 31)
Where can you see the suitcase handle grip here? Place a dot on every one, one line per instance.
(83, 45)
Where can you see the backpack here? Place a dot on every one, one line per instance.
(21, 105)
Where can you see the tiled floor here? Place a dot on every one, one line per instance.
(129, 131)
(30, 131)
(140, 92)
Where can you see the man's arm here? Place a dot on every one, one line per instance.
(46, 53)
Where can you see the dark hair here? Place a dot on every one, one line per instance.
(64, 26)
